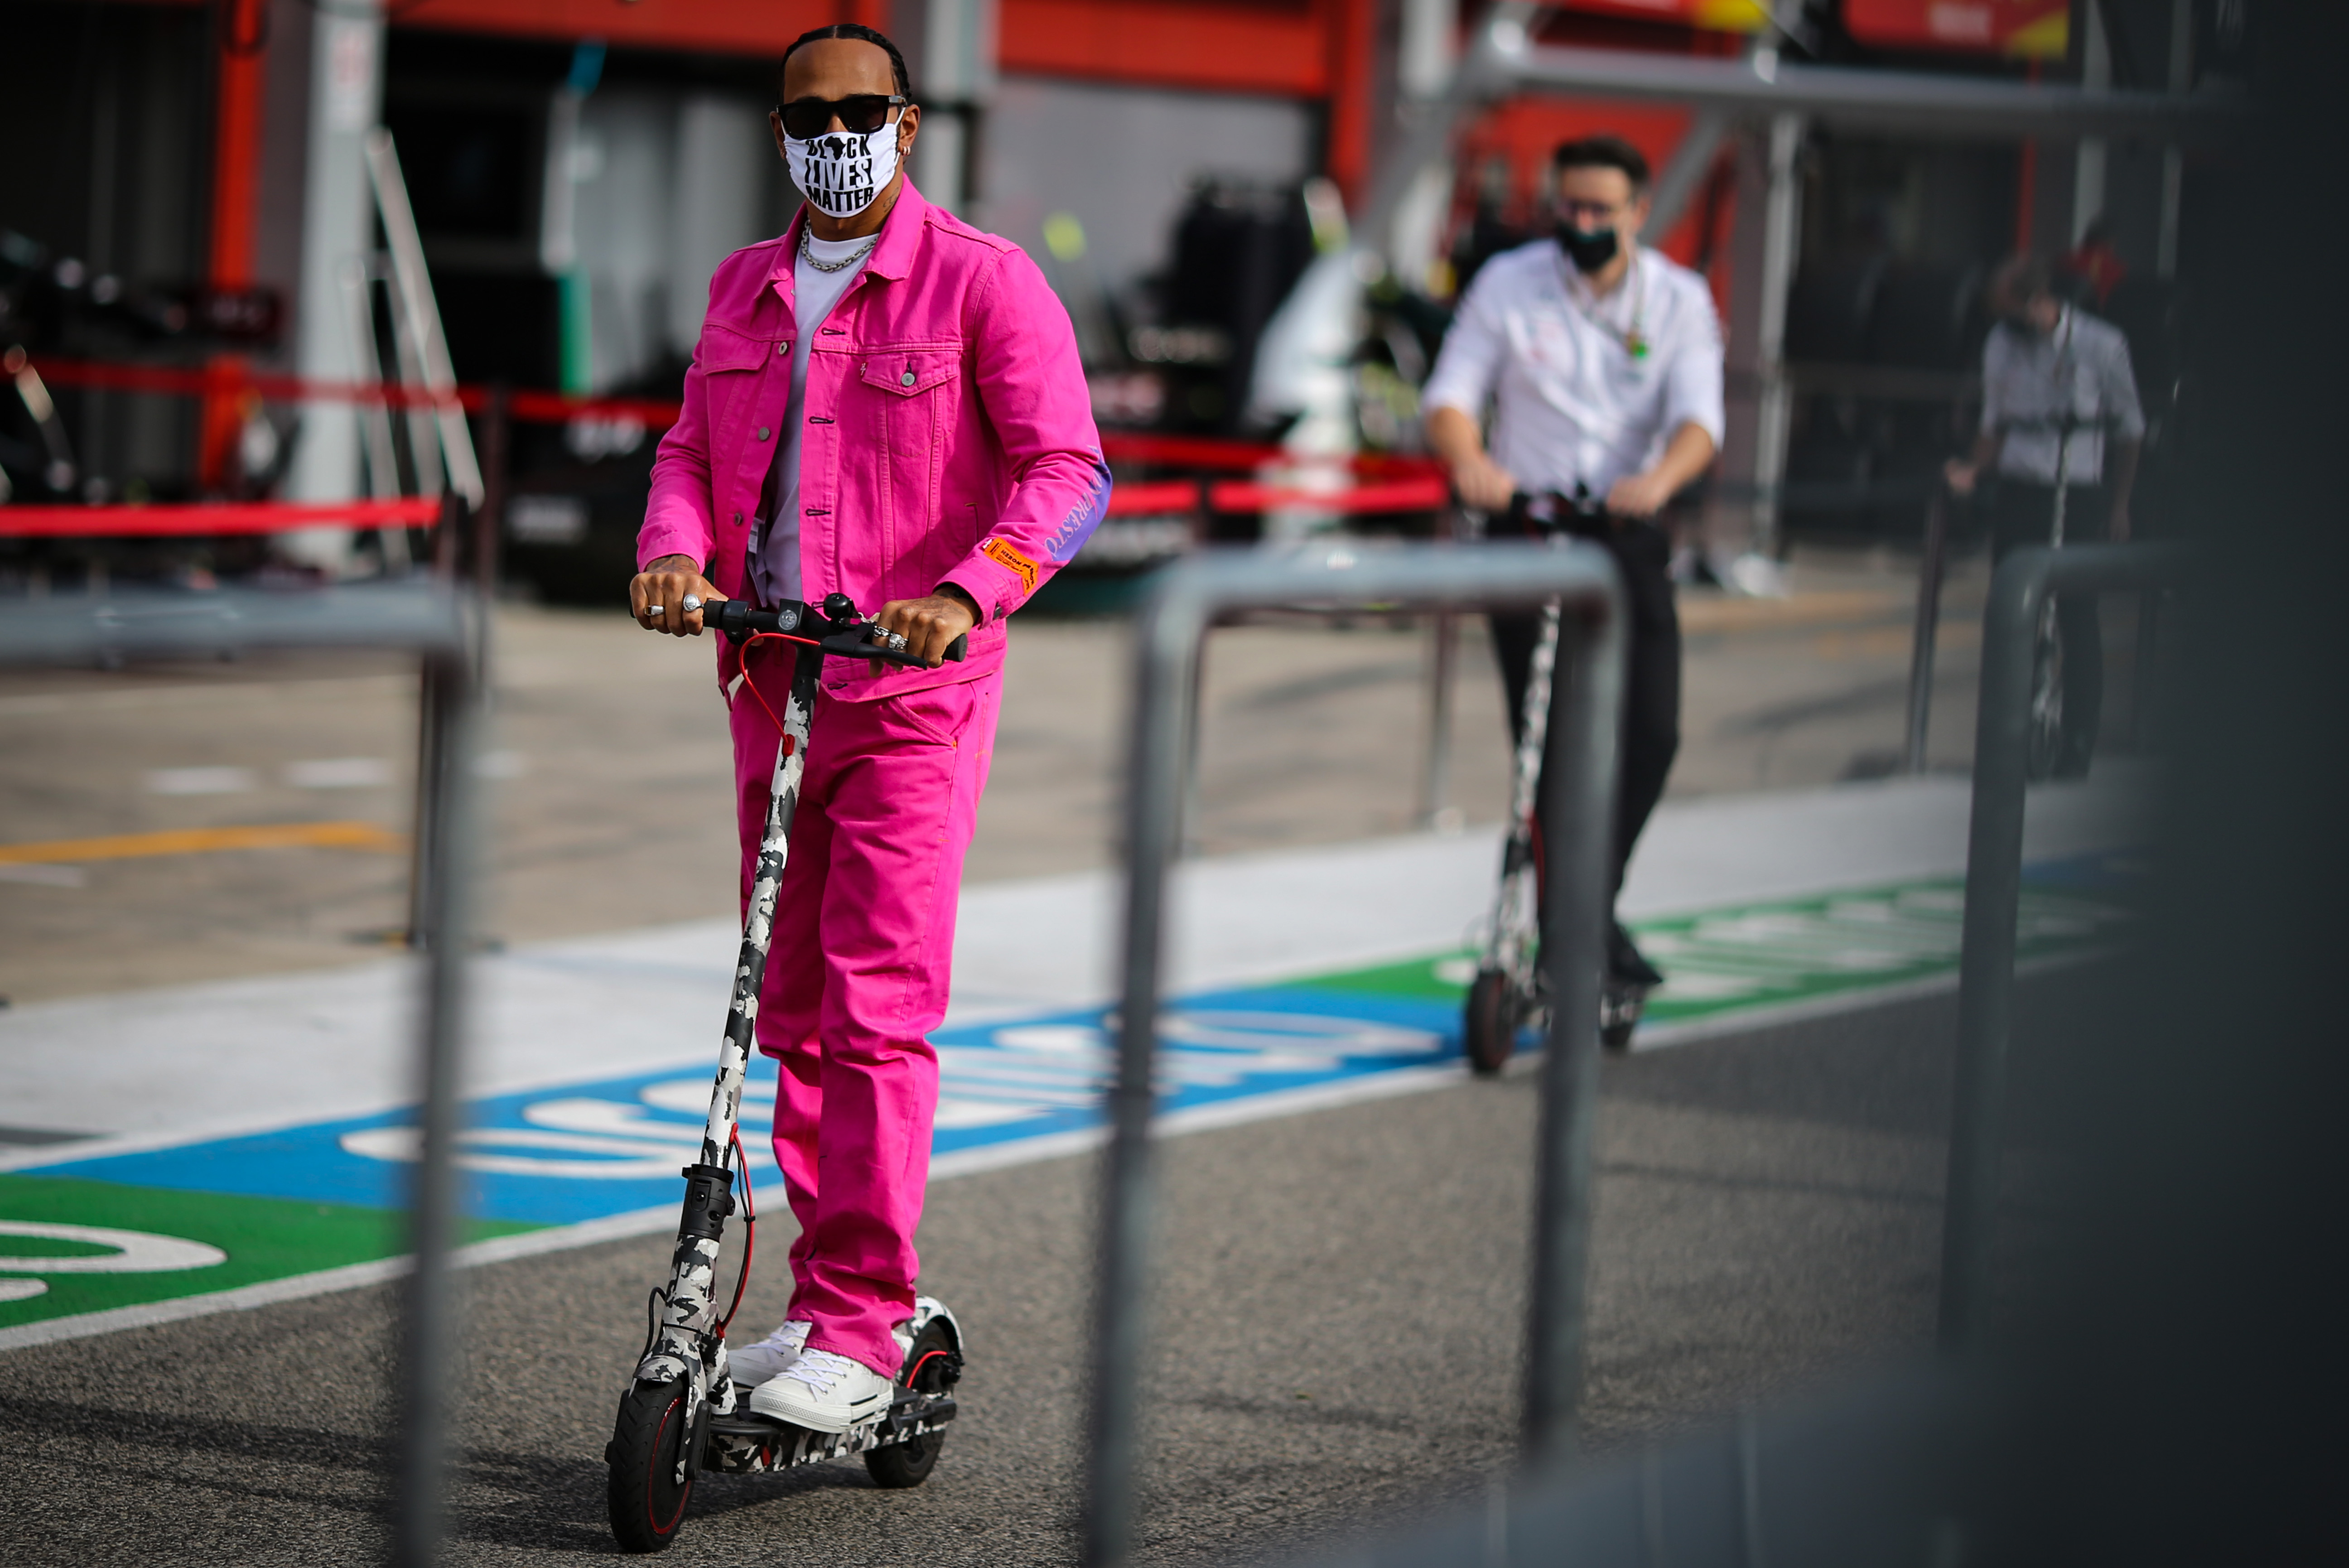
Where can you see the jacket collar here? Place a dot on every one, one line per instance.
(901, 237)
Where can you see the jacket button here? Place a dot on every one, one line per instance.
(763, 432)
(737, 517)
(906, 380)
(782, 347)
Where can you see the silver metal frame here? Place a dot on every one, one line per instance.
(2026, 581)
(1167, 638)
(430, 622)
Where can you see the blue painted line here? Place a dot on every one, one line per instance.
(611, 1146)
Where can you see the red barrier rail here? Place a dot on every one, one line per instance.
(1425, 495)
(211, 519)
(654, 413)
(1153, 498)
(536, 407)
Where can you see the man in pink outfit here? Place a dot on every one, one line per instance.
(888, 403)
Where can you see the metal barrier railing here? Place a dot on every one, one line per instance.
(1582, 789)
(1993, 887)
(429, 621)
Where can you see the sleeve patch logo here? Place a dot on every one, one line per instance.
(1004, 554)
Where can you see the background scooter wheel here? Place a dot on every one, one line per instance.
(1489, 1023)
(910, 1463)
(645, 1499)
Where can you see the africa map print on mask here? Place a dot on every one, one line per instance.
(840, 174)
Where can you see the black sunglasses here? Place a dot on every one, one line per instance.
(865, 112)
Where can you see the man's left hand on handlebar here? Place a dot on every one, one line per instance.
(929, 624)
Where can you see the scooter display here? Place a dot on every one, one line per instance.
(681, 1412)
(1508, 993)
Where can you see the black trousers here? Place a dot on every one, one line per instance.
(2023, 515)
(1651, 681)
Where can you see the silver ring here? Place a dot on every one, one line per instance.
(690, 603)
(652, 609)
(896, 642)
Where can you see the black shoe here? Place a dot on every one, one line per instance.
(1626, 964)
(1619, 1007)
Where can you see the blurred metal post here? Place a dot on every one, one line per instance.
(489, 523)
(1993, 887)
(446, 545)
(1782, 239)
(1435, 760)
(424, 619)
(1184, 602)
(1927, 625)
(431, 1330)
(1442, 644)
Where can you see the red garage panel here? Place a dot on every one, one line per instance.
(1233, 45)
(718, 27)
(2034, 29)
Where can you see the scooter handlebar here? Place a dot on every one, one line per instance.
(738, 619)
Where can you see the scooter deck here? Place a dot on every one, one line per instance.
(745, 1444)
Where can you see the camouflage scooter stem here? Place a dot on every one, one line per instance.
(689, 1318)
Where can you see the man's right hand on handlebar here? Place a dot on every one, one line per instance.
(657, 595)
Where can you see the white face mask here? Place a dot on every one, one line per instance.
(841, 174)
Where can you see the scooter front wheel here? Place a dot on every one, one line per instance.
(652, 1466)
(1489, 1023)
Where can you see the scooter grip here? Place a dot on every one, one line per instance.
(959, 648)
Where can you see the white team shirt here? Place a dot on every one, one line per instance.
(2029, 383)
(1570, 402)
(776, 562)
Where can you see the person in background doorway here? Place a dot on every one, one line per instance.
(2057, 391)
(1601, 362)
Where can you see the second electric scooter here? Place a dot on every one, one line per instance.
(1506, 994)
(682, 1413)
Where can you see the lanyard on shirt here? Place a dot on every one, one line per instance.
(1633, 338)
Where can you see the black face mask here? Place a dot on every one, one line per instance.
(1590, 252)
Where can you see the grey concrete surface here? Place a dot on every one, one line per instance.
(612, 800)
(1337, 1316)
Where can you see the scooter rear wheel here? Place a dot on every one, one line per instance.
(647, 1500)
(925, 1371)
(1489, 1023)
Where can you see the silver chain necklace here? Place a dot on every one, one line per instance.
(844, 262)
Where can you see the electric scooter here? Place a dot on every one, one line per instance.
(682, 1413)
(1508, 993)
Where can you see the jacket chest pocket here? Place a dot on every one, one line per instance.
(908, 373)
(912, 395)
(731, 362)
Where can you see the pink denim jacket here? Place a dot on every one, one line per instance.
(949, 433)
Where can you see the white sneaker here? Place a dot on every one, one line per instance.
(756, 1364)
(823, 1393)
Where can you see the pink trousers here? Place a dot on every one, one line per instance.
(857, 978)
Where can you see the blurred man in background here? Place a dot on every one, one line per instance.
(2056, 379)
(1602, 362)
(887, 403)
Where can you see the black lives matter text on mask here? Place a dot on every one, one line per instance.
(840, 176)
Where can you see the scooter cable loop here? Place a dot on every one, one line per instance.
(750, 1233)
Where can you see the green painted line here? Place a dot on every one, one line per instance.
(266, 1239)
(1790, 952)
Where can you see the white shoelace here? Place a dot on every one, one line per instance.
(791, 1337)
(819, 1369)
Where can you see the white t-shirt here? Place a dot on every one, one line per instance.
(1571, 400)
(776, 562)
